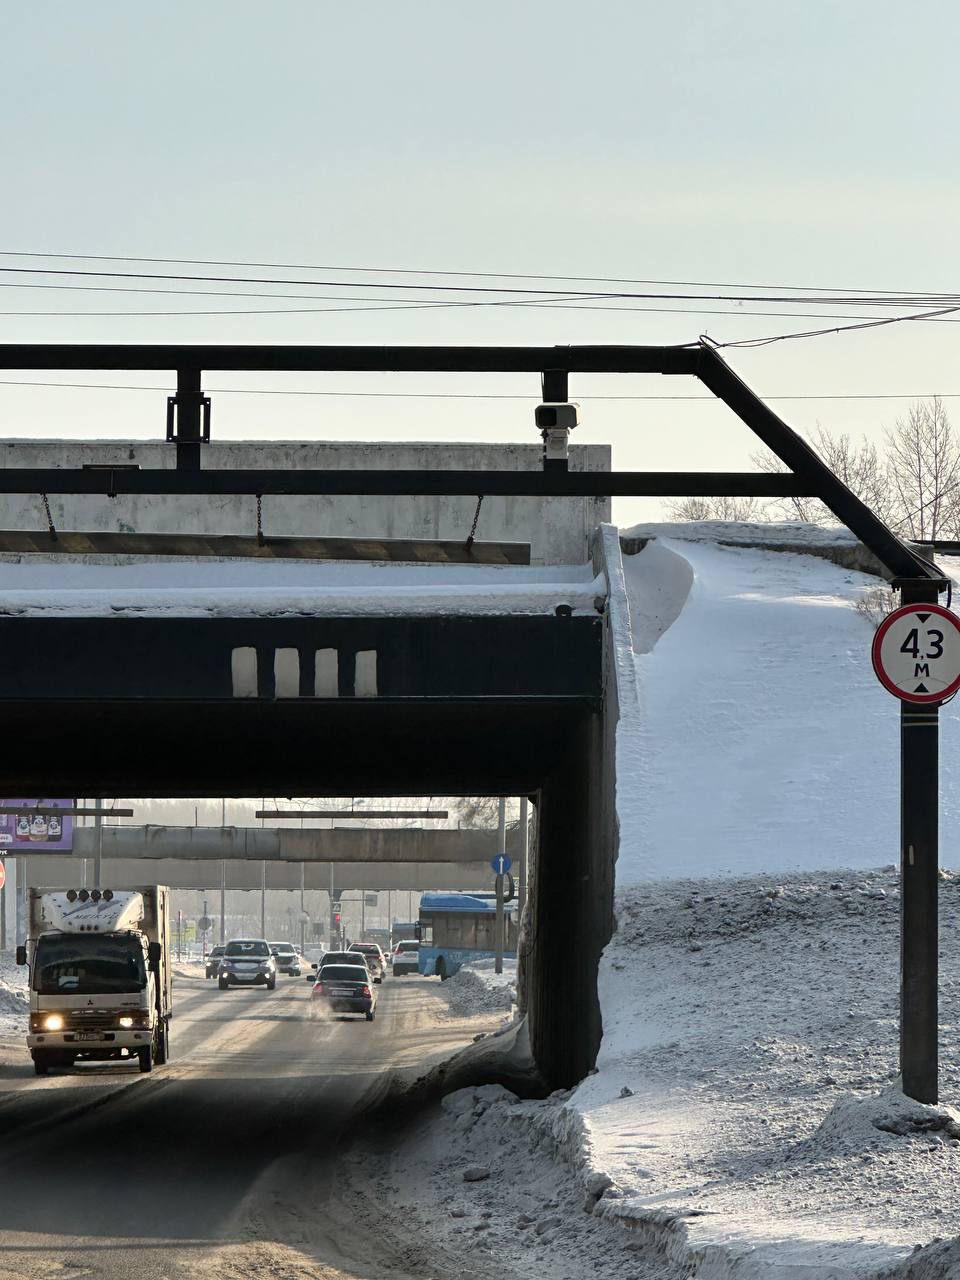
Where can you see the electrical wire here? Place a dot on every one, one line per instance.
(818, 333)
(474, 275)
(463, 395)
(847, 300)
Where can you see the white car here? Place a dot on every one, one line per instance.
(406, 957)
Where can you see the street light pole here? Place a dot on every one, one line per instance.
(501, 853)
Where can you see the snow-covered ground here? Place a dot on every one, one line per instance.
(762, 740)
(477, 988)
(745, 1110)
(14, 1002)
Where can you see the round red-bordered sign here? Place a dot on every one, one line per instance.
(3, 875)
(916, 653)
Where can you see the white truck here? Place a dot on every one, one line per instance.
(100, 982)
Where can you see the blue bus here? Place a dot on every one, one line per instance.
(455, 928)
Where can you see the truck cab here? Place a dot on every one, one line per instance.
(100, 983)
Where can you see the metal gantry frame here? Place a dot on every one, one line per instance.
(188, 427)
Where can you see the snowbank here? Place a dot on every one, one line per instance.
(764, 740)
(745, 1106)
(14, 1001)
(476, 988)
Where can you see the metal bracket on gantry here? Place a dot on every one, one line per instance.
(188, 419)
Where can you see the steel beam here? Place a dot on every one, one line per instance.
(296, 359)
(810, 471)
(537, 484)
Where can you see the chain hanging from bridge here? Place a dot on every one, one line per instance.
(473, 528)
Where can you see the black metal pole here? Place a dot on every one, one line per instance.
(189, 411)
(919, 884)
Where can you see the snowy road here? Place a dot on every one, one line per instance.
(107, 1173)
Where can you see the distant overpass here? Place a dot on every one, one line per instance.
(64, 870)
(281, 844)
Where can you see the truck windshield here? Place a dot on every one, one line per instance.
(68, 965)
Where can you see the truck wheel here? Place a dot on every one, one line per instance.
(146, 1058)
(41, 1063)
(441, 968)
(163, 1044)
(223, 984)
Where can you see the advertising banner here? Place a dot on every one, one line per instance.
(36, 832)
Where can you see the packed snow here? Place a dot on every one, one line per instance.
(93, 586)
(477, 988)
(14, 1001)
(762, 739)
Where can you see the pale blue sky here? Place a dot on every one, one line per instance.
(755, 142)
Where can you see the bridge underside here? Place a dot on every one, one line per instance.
(462, 706)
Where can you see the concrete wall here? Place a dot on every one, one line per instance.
(570, 917)
(558, 529)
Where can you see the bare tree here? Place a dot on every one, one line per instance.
(730, 509)
(924, 472)
(860, 466)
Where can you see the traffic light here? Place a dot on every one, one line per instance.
(336, 918)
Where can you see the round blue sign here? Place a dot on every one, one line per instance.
(501, 864)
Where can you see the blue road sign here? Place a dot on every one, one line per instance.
(501, 864)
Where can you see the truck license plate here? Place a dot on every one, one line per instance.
(88, 1035)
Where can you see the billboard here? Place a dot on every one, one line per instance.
(36, 832)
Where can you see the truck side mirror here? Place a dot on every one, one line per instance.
(21, 955)
(154, 953)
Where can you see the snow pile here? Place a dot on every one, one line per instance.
(476, 988)
(764, 739)
(477, 1183)
(746, 1085)
(14, 1001)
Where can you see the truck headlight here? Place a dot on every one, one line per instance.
(53, 1022)
(126, 1022)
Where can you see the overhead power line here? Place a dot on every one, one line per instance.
(472, 275)
(470, 395)
(839, 299)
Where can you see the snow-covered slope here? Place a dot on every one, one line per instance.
(764, 740)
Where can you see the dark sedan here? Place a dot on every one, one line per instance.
(213, 961)
(345, 988)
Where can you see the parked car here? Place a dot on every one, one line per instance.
(247, 962)
(334, 957)
(376, 961)
(406, 957)
(213, 960)
(345, 988)
(285, 954)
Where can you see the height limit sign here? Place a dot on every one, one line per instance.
(916, 653)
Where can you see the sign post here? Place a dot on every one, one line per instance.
(916, 656)
(501, 863)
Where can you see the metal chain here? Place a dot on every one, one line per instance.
(473, 528)
(50, 525)
(260, 538)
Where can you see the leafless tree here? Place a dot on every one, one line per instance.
(685, 510)
(860, 466)
(924, 472)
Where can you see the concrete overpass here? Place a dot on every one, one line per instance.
(386, 845)
(61, 870)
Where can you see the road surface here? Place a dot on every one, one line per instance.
(109, 1174)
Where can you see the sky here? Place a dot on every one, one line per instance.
(801, 144)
